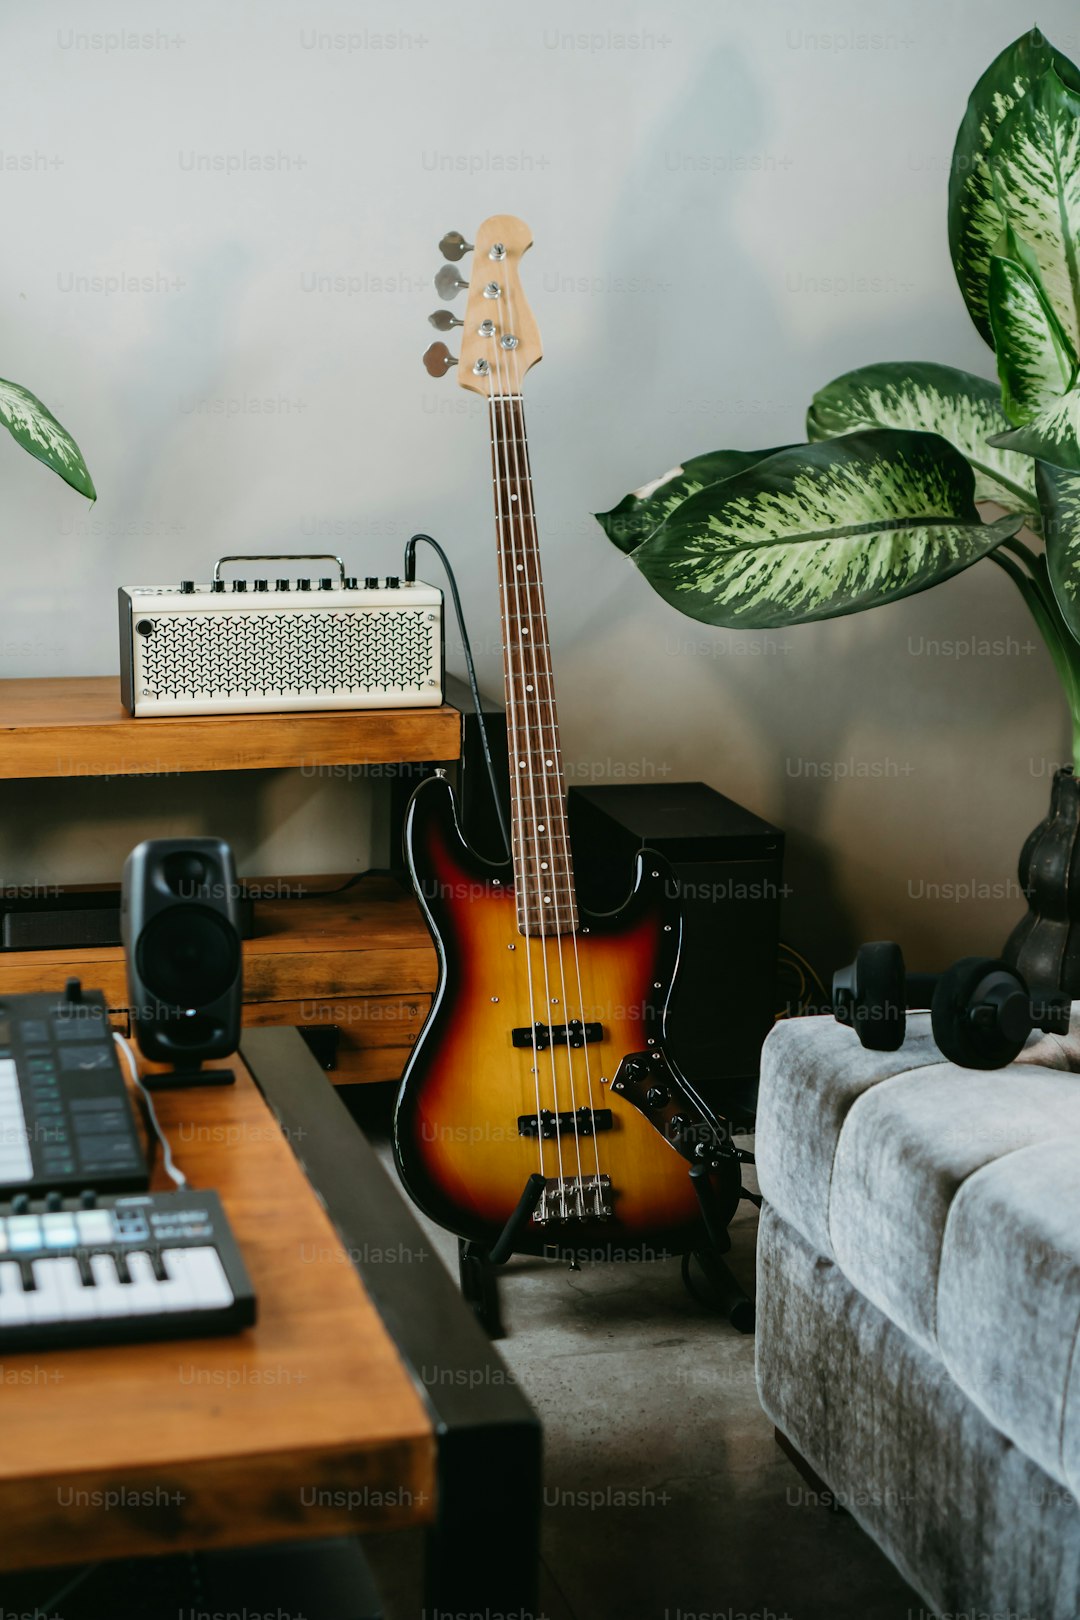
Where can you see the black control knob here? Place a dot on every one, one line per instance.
(371, 583)
(392, 582)
(54, 1202)
(20, 1204)
(677, 1122)
(350, 582)
(303, 584)
(656, 1096)
(634, 1069)
(88, 1198)
(326, 584)
(218, 585)
(187, 586)
(261, 584)
(239, 584)
(73, 990)
(281, 584)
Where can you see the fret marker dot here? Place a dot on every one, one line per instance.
(541, 827)
(547, 762)
(547, 899)
(528, 688)
(513, 497)
(543, 866)
(521, 568)
(521, 764)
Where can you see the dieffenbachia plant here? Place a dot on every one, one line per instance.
(33, 426)
(914, 471)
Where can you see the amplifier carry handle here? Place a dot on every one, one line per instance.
(282, 556)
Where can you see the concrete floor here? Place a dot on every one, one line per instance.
(643, 1392)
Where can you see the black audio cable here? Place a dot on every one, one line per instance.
(410, 575)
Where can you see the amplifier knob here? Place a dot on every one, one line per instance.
(326, 584)
(392, 582)
(218, 585)
(281, 585)
(260, 584)
(303, 584)
(239, 584)
(350, 583)
(187, 586)
(371, 583)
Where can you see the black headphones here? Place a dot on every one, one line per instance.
(981, 1010)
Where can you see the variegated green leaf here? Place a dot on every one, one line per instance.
(1053, 434)
(33, 426)
(639, 513)
(929, 398)
(1034, 162)
(975, 219)
(822, 530)
(1059, 497)
(1035, 360)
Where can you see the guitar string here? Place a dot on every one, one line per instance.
(528, 765)
(518, 530)
(501, 422)
(563, 809)
(564, 835)
(518, 803)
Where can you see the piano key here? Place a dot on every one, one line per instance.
(44, 1302)
(145, 1293)
(77, 1302)
(14, 1310)
(112, 1294)
(208, 1277)
(176, 1269)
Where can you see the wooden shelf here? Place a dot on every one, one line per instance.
(359, 961)
(77, 726)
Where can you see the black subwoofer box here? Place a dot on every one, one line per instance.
(727, 866)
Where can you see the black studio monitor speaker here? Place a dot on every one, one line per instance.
(180, 924)
(727, 867)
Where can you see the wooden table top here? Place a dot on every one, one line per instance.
(307, 1424)
(77, 726)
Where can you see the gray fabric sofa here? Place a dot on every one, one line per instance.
(919, 1304)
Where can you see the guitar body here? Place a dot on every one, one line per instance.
(465, 1127)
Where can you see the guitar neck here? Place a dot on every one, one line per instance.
(543, 868)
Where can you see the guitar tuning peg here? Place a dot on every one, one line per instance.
(443, 320)
(438, 360)
(448, 282)
(454, 246)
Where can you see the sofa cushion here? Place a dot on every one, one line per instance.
(950, 1198)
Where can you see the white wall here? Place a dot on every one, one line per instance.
(730, 206)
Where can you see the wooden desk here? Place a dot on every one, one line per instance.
(365, 1398)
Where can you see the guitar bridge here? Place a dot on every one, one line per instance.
(574, 1198)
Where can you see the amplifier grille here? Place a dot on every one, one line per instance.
(245, 654)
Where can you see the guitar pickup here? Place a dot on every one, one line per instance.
(575, 1033)
(547, 1124)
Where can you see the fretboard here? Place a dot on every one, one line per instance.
(543, 870)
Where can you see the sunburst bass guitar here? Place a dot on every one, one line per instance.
(539, 1110)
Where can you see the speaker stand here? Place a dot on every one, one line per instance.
(183, 1079)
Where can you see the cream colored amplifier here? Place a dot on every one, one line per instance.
(252, 645)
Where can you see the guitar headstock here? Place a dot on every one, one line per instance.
(499, 337)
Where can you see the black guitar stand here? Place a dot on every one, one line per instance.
(477, 1265)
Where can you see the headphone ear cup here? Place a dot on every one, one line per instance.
(970, 1045)
(881, 998)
